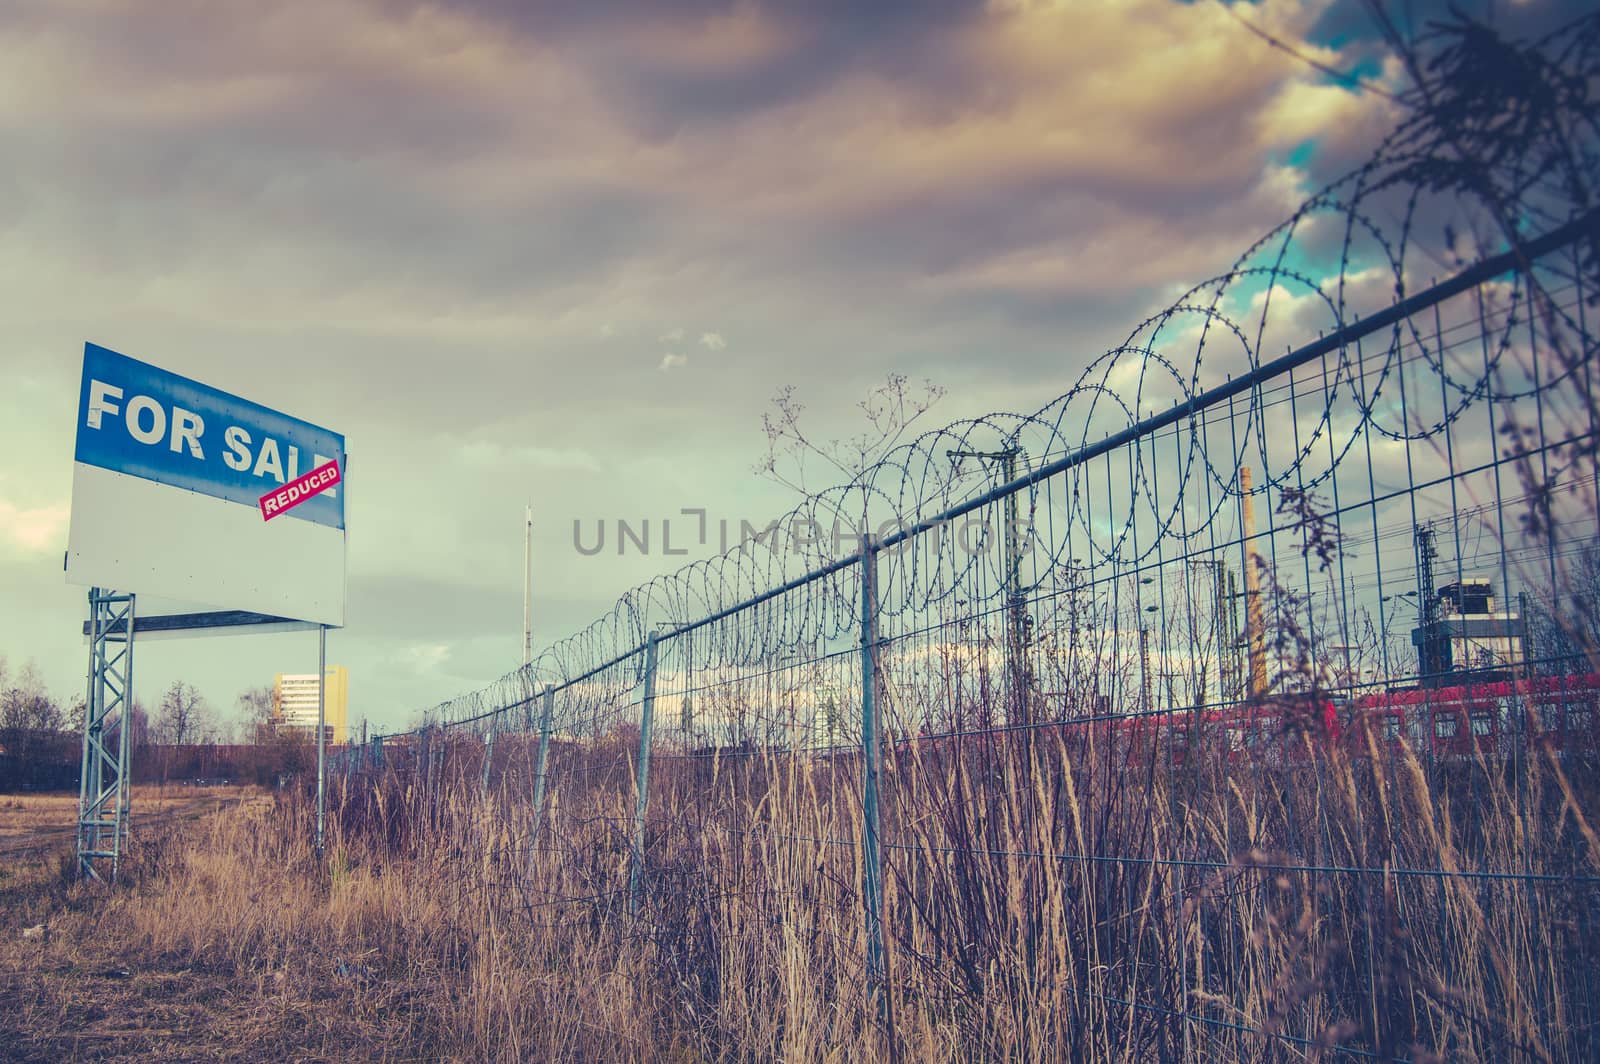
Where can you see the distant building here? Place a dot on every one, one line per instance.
(294, 704)
(1466, 633)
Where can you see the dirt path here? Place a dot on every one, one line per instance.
(46, 822)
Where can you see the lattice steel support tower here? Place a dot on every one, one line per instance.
(107, 715)
(1433, 643)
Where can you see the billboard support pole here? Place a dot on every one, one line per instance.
(103, 778)
(322, 728)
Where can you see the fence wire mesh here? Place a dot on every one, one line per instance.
(1239, 702)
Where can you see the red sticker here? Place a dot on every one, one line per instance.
(282, 500)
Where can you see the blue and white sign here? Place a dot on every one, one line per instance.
(141, 420)
(167, 476)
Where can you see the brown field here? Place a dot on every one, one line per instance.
(31, 821)
(226, 939)
(103, 982)
(425, 933)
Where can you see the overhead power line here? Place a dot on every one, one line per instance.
(1341, 76)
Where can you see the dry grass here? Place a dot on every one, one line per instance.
(1043, 899)
(1033, 907)
(228, 939)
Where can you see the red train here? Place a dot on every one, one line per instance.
(1488, 718)
(1491, 718)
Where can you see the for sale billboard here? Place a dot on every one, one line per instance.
(169, 478)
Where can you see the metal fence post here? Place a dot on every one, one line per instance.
(539, 768)
(646, 727)
(488, 757)
(436, 772)
(871, 858)
(424, 755)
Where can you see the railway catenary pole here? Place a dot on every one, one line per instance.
(1202, 678)
(1018, 679)
(527, 586)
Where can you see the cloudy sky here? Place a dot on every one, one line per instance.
(567, 252)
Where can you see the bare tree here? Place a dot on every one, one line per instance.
(1509, 123)
(184, 716)
(1512, 128)
(1564, 622)
(29, 717)
(24, 704)
(256, 708)
(792, 453)
(138, 721)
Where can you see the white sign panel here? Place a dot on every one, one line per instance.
(168, 488)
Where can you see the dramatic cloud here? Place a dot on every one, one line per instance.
(35, 530)
(426, 657)
(454, 230)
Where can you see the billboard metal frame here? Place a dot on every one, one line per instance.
(107, 714)
(221, 453)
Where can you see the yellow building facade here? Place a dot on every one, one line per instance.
(294, 703)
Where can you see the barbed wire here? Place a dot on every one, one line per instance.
(1141, 665)
(789, 588)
